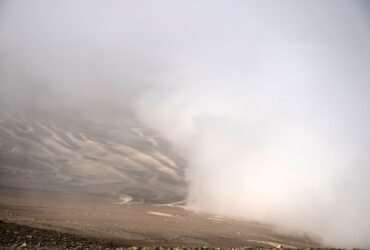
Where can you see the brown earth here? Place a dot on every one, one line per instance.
(92, 221)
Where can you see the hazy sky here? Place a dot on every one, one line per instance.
(268, 101)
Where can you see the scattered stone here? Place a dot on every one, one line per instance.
(14, 236)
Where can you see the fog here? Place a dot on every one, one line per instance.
(268, 102)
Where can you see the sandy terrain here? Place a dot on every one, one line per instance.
(118, 182)
(135, 224)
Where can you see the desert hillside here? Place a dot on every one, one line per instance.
(73, 154)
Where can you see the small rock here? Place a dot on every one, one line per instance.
(24, 245)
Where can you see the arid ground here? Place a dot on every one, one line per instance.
(93, 185)
(135, 224)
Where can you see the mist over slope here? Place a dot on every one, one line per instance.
(268, 102)
(72, 154)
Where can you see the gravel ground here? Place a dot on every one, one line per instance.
(15, 236)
